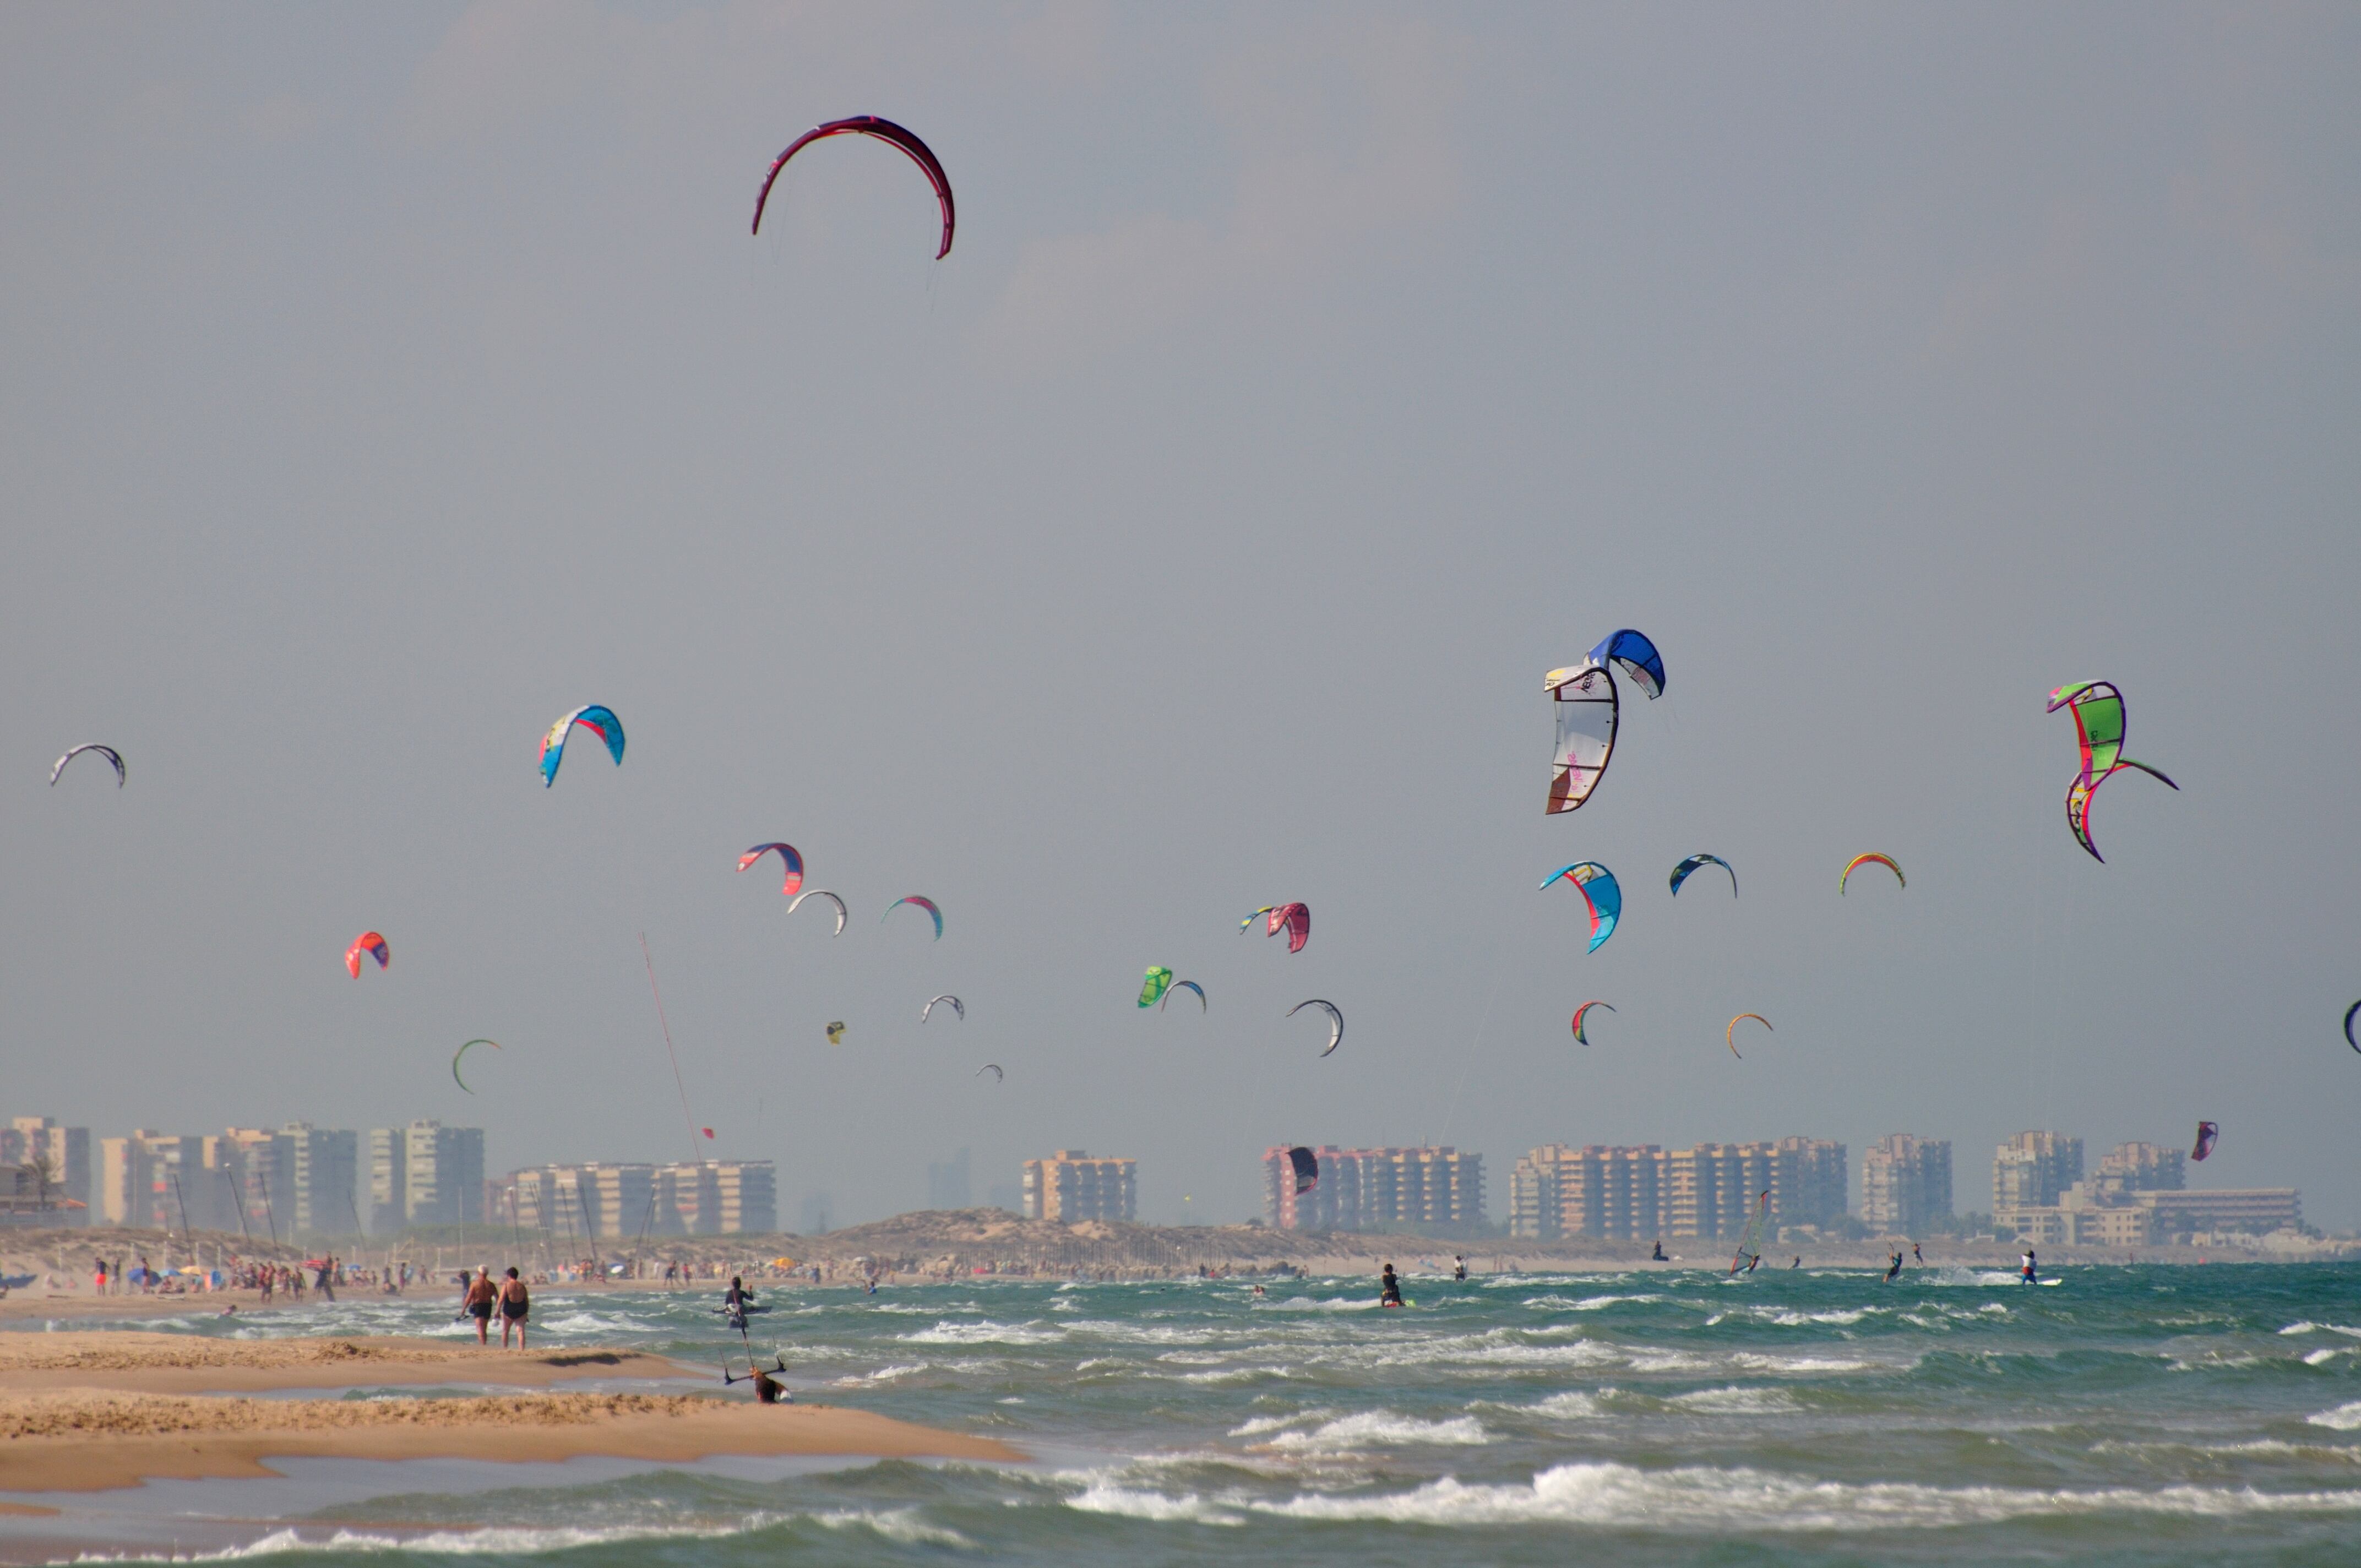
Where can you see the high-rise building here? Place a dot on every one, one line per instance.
(1376, 1189)
(321, 1167)
(1906, 1184)
(443, 1173)
(2032, 1170)
(151, 1180)
(1636, 1193)
(63, 1192)
(747, 1196)
(1071, 1186)
(389, 1179)
(2145, 1168)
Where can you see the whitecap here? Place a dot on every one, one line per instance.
(1130, 1502)
(1703, 1500)
(985, 1333)
(2344, 1418)
(1735, 1401)
(1384, 1429)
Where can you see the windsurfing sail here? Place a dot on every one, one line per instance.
(1750, 1242)
(2098, 710)
(109, 752)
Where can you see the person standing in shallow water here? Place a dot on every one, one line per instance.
(1388, 1289)
(515, 1303)
(478, 1303)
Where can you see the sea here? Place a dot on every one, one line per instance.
(2139, 1415)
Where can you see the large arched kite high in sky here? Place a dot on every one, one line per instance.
(884, 131)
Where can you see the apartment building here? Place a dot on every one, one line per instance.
(321, 1167)
(2032, 1170)
(1636, 1193)
(1071, 1186)
(442, 1173)
(1906, 1184)
(1376, 1189)
(62, 1196)
(624, 1200)
(2145, 1168)
(389, 1179)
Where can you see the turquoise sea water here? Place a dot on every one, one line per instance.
(2139, 1415)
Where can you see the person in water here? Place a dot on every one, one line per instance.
(2032, 1269)
(1388, 1289)
(735, 1301)
(1753, 1262)
(478, 1303)
(1798, 1263)
(515, 1303)
(1658, 1255)
(1458, 1267)
(1915, 1255)
(1891, 1273)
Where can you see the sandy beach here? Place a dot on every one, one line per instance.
(90, 1411)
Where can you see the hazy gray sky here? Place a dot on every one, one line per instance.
(377, 383)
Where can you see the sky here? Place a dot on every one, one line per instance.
(378, 383)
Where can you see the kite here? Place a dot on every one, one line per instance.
(1184, 985)
(1874, 859)
(1245, 924)
(1307, 1169)
(1295, 919)
(926, 903)
(957, 1007)
(1729, 1036)
(1601, 893)
(372, 944)
(836, 1034)
(2099, 724)
(2348, 1026)
(793, 863)
(1335, 1021)
(463, 1051)
(1152, 988)
(884, 131)
(820, 892)
(1587, 708)
(993, 1067)
(2207, 1132)
(600, 721)
(1681, 872)
(109, 752)
(1579, 1037)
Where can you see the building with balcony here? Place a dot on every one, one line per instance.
(1375, 1190)
(57, 1189)
(1071, 1186)
(1637, 1192)
(1906, 1184)
(2032, 1170)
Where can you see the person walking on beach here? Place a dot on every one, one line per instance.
(325, 1284)
(515, 1303)
(478, 1303)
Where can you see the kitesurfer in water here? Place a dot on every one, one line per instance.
(1658, 1256)
(1388, 1289)
(735, 1301)
(1891, 1274)
(1458, 1267)
(1916, 1256)
(1798, 1263)
(2032, 1270)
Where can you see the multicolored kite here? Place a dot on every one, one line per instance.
(1588, 709)
(836, 1034)
(2207, 1133)
(2099, 723)
(1579, 1037)
(1152, 989)
(884, 131)
(1601, 893)
(600, 721)
(926, 903)
(1295, 919)
(1868, 860)
(787, 855)
(372, 944)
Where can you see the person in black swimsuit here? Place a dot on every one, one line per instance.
(515, 1303)
(478, 1303)
(1388, 1289)
(1891, 1273)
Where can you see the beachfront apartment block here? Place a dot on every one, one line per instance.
(2089, 1216)
(51, 1179)
(298, 1179)
(1374, 1190)
(2032, 1170)
(441, 1177)
(322, 1168)
(1072, 1186)
(1906, 1184)
(600, 1201)
(388, 1150)
(2145, 1168)
(1638, 1192)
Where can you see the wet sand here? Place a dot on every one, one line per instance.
(91, 1411)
